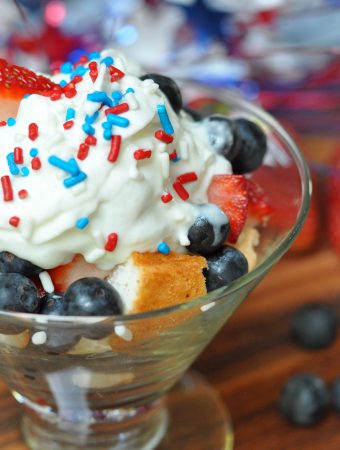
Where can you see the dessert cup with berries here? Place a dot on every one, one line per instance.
(136, 217)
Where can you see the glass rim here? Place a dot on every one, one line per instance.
(218, 294)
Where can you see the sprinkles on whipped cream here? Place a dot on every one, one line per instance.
(106, 114)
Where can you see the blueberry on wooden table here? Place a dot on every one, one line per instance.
(314, 326)
(304, 399)
(169, 88)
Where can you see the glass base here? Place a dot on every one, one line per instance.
(194, 417)
(197, 417)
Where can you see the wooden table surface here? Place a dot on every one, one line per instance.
(250, 359)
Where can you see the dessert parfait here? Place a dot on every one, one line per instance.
(116, 199)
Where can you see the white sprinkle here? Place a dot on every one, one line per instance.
(131, 100)
(183, 149)
(183, 239)
(93, 255)
(135, 174)
(46, 281)
(123, 332)
(39, 338)
(162, 147)
(165, 164)
(207, 306)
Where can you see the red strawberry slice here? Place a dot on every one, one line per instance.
(63, 276)
(15, 82)
(333, 203)
(259, 207)
(230, 193)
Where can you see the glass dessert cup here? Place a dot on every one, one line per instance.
(101, 382)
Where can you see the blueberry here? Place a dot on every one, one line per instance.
(249, 148)
(209, 231)
(92, 296)
(335, 394)
(18, 293)
(53, 304)
(314, 326)
(10, 263)
(221, 135)
(304, 399)
(224, 267)
(169, 88)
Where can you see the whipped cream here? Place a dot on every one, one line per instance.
(63, 205)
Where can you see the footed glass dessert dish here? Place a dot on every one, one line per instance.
(102, 382)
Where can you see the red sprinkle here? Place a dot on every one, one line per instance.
(115, 73)
(166, 198)
(83, 151)
(22, 193)
(115, 148)
(69, 93)
(187, 177)
(142, 154)
(7, 188)
(3, 123)
(163, 136)
(14, 221)
(83, 59)
(55, 96)
(33, 131)
(111, 242)
(93, 71)
(91, 140)
(69, 124)
(173, 155)
(93, 65)
(118, 109)
(181, 191)
(36, 163)
(77, 79)
(18, 155)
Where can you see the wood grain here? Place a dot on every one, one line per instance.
(250, 359)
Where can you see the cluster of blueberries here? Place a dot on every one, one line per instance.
(89, 296)
(305, 398)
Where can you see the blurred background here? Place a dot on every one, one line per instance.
(282, 54)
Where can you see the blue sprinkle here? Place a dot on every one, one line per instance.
(107, 61)
(164, 118)
(176, 159)
(66, 68)
(63, 83)
(27, 95)
(91, 119)
(107, 135)
(80, 70)
(69, 166)
(82, 223)
(163, 248)
(34, 152)
(117, 96)
(94, 55)
(25, 172)
(72, 181)
(11, 121)
(107, 125)
(88, 129)
(130, 89)
(120, 121)
(100, 97)
(13, 168)
(70, 113)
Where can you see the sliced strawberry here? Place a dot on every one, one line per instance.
(15, 82)
(333, 203)
(259, 207)
(63, 276)
(230, 193)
